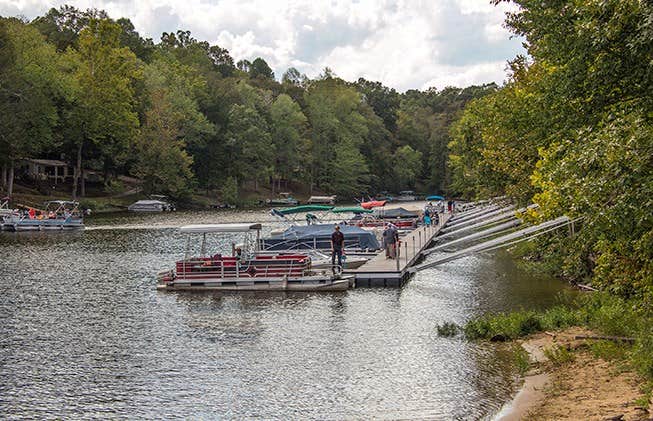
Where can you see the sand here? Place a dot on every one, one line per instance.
(586, 388)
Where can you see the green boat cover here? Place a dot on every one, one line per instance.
(303, 208)
(352, 209)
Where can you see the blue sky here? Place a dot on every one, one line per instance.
(409, 44)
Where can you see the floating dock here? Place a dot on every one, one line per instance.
(382, 272)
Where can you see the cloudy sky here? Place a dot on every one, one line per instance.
(406, 44)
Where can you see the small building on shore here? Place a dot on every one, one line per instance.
(47, 169)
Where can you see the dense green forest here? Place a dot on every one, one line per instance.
(572, 131)
(182, 116)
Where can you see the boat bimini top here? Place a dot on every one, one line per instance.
(351, 209)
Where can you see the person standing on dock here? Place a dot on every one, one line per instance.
(337, 247)
(390, 236)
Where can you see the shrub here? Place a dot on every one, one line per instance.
(447, 329)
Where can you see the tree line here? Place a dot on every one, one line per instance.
(572, 130)
(180, 115)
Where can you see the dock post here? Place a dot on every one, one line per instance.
(406, 252)
(414, 246)
(397, 253)
(420, 239)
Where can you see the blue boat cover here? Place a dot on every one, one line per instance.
(319, 237)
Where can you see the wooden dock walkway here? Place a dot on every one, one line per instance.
(382, 272)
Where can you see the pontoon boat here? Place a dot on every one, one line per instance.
(249, 271)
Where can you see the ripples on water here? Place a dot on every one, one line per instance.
(84, 334)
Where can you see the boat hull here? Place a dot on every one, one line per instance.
(42, 225)
(303, 284)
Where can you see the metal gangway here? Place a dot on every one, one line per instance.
(495, 243)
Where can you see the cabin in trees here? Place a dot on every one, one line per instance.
(47, 169)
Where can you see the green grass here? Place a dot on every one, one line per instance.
(559, 355)
(521, 359)
(601, 312)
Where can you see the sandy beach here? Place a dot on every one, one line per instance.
(586, 387)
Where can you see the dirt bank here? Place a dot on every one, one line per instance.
(576, 386)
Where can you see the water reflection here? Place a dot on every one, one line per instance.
(85, 334)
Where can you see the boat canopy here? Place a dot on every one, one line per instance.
(434, 197)
(319, 237)
(303, 208)
(397, 213)
(351, 209)
(206, 228)
(373, 204)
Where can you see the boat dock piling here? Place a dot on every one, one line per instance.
(382, 272)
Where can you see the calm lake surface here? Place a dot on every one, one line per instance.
(85, 334)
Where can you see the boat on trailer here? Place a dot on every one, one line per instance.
(248, 271)
(56, 215)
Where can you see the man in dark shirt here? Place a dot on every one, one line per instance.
(337, 246)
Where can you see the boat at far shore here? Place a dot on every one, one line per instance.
(284, 199)
(156, 203)
(321, 200)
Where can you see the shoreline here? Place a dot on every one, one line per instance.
(586, 387)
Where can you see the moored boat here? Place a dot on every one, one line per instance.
(406, 196)
(156, 203)
(248, 270)
(321, 200)
(284, 199)
(318, 237)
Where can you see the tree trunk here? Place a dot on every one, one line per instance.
(83, 184)
(10, 179)
(4, 175)
(78, 170)
(256, 184)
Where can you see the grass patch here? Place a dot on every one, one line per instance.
(559, 355)
(609, 350)
(521, 359)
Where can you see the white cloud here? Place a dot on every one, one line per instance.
(405, 44)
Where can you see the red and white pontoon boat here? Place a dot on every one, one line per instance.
(249, 270)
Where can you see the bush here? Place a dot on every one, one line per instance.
(559, 317)
(448, 329)
(115, 187)
(609, 350)
(503, 326)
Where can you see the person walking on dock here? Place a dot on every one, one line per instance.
(337, 247)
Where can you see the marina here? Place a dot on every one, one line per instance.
(375, 346)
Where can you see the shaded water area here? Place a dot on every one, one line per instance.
(85, 334)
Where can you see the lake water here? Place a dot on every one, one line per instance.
(85, 334)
